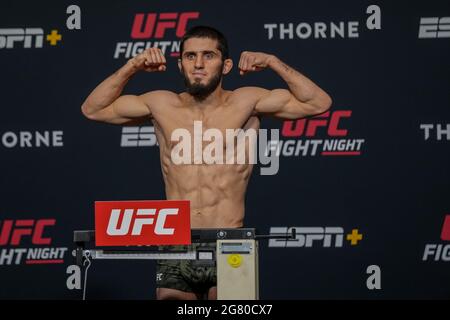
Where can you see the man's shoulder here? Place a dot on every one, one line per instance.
(249, 91)
(161, 97)
(161, 94)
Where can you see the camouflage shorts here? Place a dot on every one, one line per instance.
(186, 275)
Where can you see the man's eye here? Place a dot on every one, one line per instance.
(190, 56)
(208, 55)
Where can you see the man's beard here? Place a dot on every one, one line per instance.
(200, 91)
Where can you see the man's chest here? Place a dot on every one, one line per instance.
(219, 120)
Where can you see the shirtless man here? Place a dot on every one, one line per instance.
(216, 191)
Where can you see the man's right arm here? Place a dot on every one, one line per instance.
(105, 102)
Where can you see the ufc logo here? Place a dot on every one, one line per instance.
(434, 27)
(143, 222)
(155, 25)
(445, 233)
(16, 231)
(138, 137)
(297, 128)
(143, 217)
(9, 36)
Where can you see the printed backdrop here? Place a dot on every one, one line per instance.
(366, 185)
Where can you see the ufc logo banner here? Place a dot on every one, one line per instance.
(129, 223)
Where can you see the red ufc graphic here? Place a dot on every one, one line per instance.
(124, 223)
(297, 128)
(445, 234)
(155, 25)
(13, 231)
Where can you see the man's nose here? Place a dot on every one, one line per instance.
(199, 62)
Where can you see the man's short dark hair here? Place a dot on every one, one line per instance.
(210, 33)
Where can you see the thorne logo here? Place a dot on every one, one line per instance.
(14, 233)
(309, 236)
(138, 137)
(323, 30)
(27, 139)
(120, 223)
(27, 38)
(156, 26)
(304, 130)
(439, 252)
(436, 131)
(315, 30)
(434, 27)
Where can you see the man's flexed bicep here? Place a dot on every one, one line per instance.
(106, 102)
(282, 104)
(124, 109)
(304, 98)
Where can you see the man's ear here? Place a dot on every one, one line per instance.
(179, 64)
(227, 66)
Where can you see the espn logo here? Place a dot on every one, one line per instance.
(156, 24)
(10, 36)
(123, 223)
(305, 237)
(434, 27)
(138, 137)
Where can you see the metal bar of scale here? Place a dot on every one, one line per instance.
(236, 257)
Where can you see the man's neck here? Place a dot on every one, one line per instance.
(213, 99)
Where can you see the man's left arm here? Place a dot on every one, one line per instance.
(304, 98)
